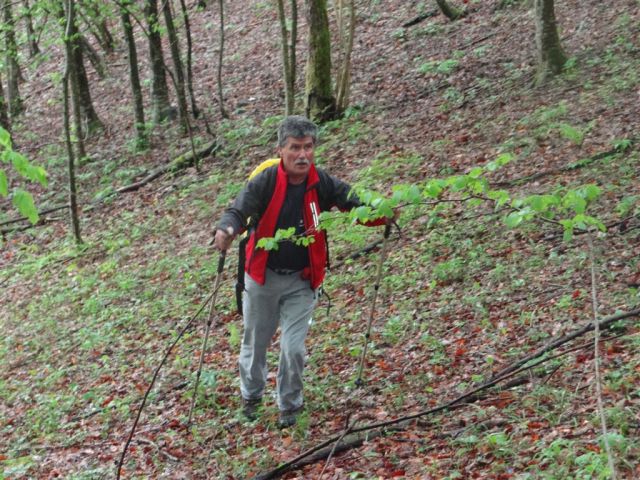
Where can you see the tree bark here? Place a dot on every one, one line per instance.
(4, 113)
(90, 119)
(97, 25)
(134, 77)
(34, 49)
(187, 31)
(159, 91)
(93, 57)
(288, 54)
(177, 64)
(12, 66)
(70, 76)
(223, 111)
(551, 56)
(449, 11)
(320, 104)
(343, 85)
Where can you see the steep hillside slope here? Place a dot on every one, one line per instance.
(463, 296)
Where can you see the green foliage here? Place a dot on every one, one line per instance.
(21, 199)
(442, 67)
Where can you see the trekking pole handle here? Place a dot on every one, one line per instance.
(387, 229)
(221, 259)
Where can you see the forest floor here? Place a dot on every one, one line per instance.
(462, 295)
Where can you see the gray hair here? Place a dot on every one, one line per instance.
(296, 126)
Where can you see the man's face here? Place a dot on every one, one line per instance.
(297, 156)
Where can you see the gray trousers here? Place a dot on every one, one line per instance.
(288, 301)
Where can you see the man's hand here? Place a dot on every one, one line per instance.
(223, 239)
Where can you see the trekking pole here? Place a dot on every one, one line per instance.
(376, 287)
(216, 287)
(157, 371)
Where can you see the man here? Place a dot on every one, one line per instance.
(281, 286)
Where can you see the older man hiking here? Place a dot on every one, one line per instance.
(281, 286)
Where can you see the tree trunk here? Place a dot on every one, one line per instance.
(223, 112)
(93, 57)
(90, 118)
(551, 56)
(452, 13)
(31, 34)
(159, 91)
(288, 54)
(321, 104)
(4, 114)
(187, 30)
(97, 25)
(134, 77)
(70, 73)
(12, 67)
(343, 84)
(177, 64)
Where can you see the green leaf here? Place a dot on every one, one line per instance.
(574, 201)
(501, 197)
(38, 174)
(568, 230)
(458, 182)
(267, 243)
(434, 188)
(23, 201)
(475, 172)
(20, 163)
(502, 160)
(514, 219)
(362, 213)
(5, 138)
(590, 192)
(4, 185)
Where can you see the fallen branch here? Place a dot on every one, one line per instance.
(553, 171)
(180, 163)
(420, 18)
(356, 438)
(604, 323)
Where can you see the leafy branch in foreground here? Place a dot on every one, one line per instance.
(20, 198)
(566, 208)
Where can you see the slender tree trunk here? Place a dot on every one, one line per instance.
(187, 30)
(159, 91)
(93, 57)
(177, 64)
(223, 112)
(69, 75)
(4, 113)
(551, 56)
(97, 26)
(449, 11)
(134, 77)
(90, 118)
(31, 34)
(321, 104)
(12, 66)
(288, 54)
(294, 44)
(343, 85)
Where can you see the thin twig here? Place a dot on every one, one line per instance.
(596, 354)
(335, 445)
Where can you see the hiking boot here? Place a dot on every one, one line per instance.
(250, 408)
(288, 418)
